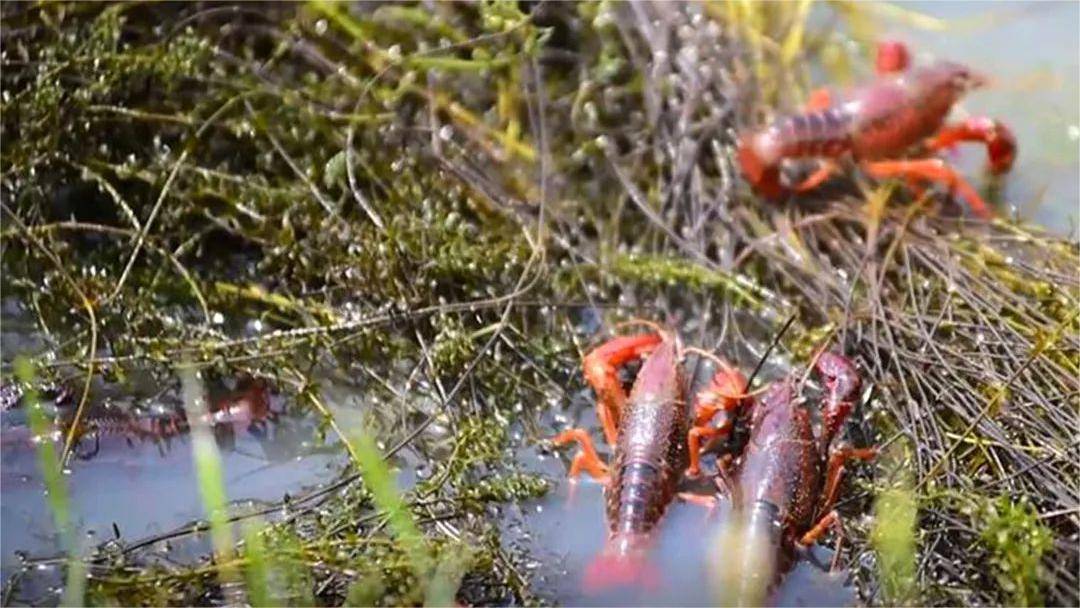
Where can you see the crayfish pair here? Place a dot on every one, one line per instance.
(784, 481)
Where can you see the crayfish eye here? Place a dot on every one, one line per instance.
(965, 80)
(961, 79)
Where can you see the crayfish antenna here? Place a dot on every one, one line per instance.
(638, 322)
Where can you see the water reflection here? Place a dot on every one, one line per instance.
(139, 479)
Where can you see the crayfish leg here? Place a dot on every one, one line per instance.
(998, 138)
(829, 520)
(601, 372)
(835, 471)
(725, 391)
(818, 177)
(695, 438)
(892, 57)
(709, 502)
(820, 99)
(931, 170)
(586, 459)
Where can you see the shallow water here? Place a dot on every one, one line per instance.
(145, 489)
(139, 488)
(566, 531)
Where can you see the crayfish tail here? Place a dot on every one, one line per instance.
(610, 570)
(763, 174)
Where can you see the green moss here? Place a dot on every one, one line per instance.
(663, 271)
(1017, 542)
(894, 536)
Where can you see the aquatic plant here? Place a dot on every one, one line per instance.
(443, 205)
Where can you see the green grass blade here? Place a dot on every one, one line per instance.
(447, 577)
(379, 479)
(209, 471)
(55, 488)
(440, 583)
(257, 571)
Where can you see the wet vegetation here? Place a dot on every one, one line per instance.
(445, 206)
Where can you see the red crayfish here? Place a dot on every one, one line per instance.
(877, 125)
(785, 482)
(647, 431)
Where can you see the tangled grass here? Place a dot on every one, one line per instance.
(431, 201)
